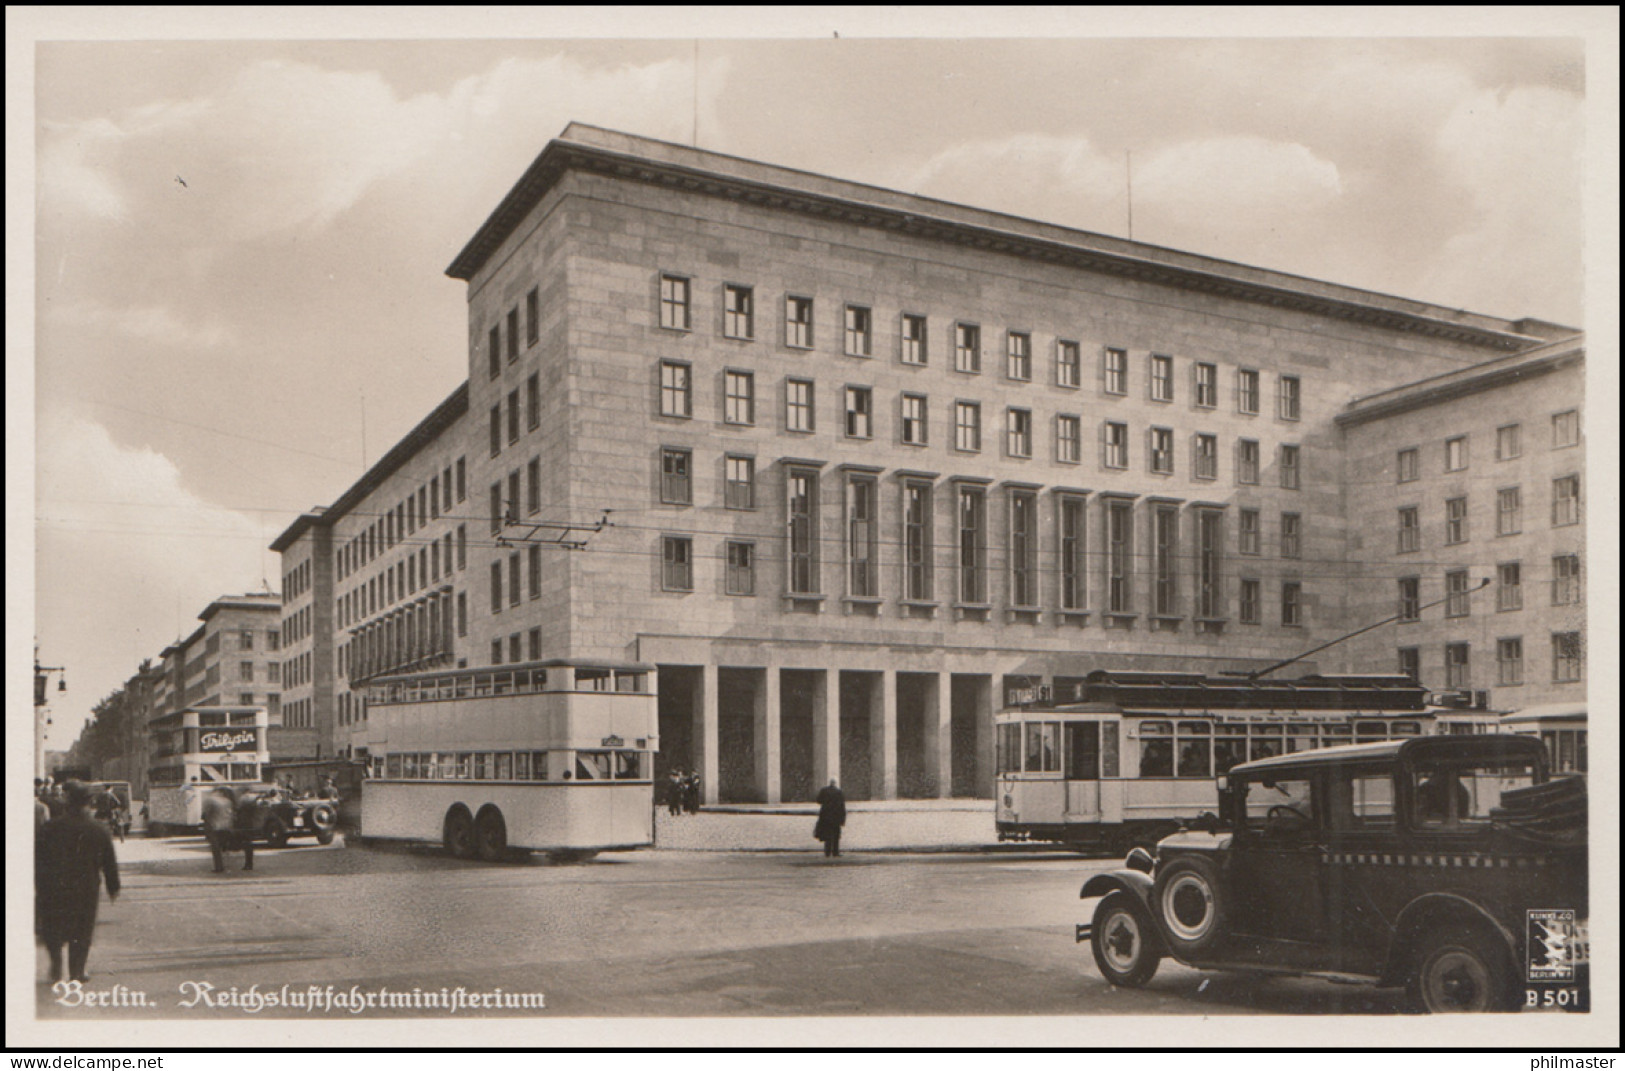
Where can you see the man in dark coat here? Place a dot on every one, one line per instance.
(674, 792)
(691, 792)
(831, 817)
(73, 855)
(220, 828)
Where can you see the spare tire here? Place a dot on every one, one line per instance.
(322, 816)
(1190, 904)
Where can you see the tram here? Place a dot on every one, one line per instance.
(1127, 756)
(553, 756)
(1561, 727)
(197, 750)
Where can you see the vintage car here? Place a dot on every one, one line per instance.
(266, 812)
(1446, 864)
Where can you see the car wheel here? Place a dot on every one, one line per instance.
(322, 816)
(324, 836)
(458, 832)
(1123, 942)
(491, 835)
(1190, 904)
(1460, 970)
(276, 832)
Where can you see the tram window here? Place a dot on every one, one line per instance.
(1083, 751)
(1334, 735)
(1195, 749)
(521, 766)
(482, 684)
(1405, 728)
(1156, 749)
(504, 770)
(1009, 748)
(465, 686)
(592, 680)
(1300, 736)
(1108, 749)
(393, 767)
(631, 682)
(501, 683)
(1042, 755)
(485, 766)
(539, 766)
(409, 766)
(1365, 731)
(628, 765)
(592, 766)
(1266, 741)
(465, 766)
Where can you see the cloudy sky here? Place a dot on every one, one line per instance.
(239, 246)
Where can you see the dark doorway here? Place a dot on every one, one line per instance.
(965, 712)
(915, 779)
(736, 736)
(675, 714)
(857, 692)
(798, 693)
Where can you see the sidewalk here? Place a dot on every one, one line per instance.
(878, 825)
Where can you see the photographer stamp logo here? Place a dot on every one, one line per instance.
(1551, 946)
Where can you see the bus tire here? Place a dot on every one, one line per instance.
(1124, 941)
(457, 834)
(276, 832)
(1190, 904)
(491, 834)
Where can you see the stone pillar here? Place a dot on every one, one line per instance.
(983, 707)
(826, 732)
(706, 705)
(766, 732)
(883, 736)
(939, 732)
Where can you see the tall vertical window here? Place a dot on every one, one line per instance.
(1566, 500)
(1290, 456)
(972, 545)
(1068, 364)
(1023, 548)
(1568, 656)
(496, 429)
(1162, 450)
(513, 334)
(533, 408)
(1509, 586)
(533, 317)
(859, 331)
(739, 482)
(1410, 598)
(863, 579)
(1565, 579)
(676, 482)
(1018, 353)
(1410, 663)
(514, 582)
(1068, 436)
(967, 426)
(1455, 520)
(535, 553)
(1119, 556)
(1410, 529)
(914, 426)
(676, 563)
(967, 348)
(1458, 665)
(513, 416)
(1509, 660)
(1247, 461)
(1018, 441)
(1116, 370)
(917, 541)
(1455, 453)
(675, 389)
(513, 496)
(1291, 604)
(738, 312)
(738, 397)
(859, 412)
(1457, 593)
(462, 546)
(1290, 397)
(798, 322)
(798, 405)
(1209, 564)
(1251, 598)
(741, 578)
(1207, 385)
(1247, 390)
(801, 487)
(1566, 428)
(913, 339)
(674, 302)
(1508, 442)
(1162, 378)
(1248, 535)
(462, 486)
(1409, 464)
(496, 586)
(1291, 535)
(493, 349)
(1165, 560)
(1074, 563)
(1115, 445)
(497, 512)
(535, 644)
(1508, 511)
(1206, 459)
(533, 485)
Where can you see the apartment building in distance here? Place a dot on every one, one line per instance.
(870, 461)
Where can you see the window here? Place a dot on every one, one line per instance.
(972, 545)
(1291, 604)
(461, 485)
(1565, 579)
(1247, 463)
(1509, 661)
(462, 546)
(533, 485)
(1566, 428)
(497, 511)
(1508, 511)
(1162, 378)
(798, 326)
(535, 552)
(1018, 353)
(514, 582)
(462, 613)
(802, 509)
(1164, 559)
(675, 390)
(859, 331)
(917, 584)
(967, 348)
(1410, 663)
(1251, 591)
(913, 339)
(1209, 562)
(1410, 598)
(798, 405)
(1455, 520)
(741, 578)
(1072, 546)
(1247, 391)
(1565, 500)
(674, 302)
(914, 420)
(1116, 371)
(513, 334)
(676, 563)
(1249, 532)
(494, 352)
(496, 429)
(1290, 397)
(496, 587)
(738, 312)
(739, 482)
(1289, 466)
(533, 317)
(1458, 665)
(862, 558)
(1409, 464)
(1119, 555)
(1507, 445)
(245, 671)
(535, 645)
(1068, 439)
(676, 486)
(859, 409)
(1458, 593)
(1410, 529)
(1206, 460)
(1068, 364)
(512, 504)
(1162, 450)
(1455, 453)
(738, 397)
(1567, 654)
(968, 426)
(1023, 548)
(1018, 440)
(1207, 385)
(245, 639)
(1291, 535)
(1509, 586)
(1115, 445)
(513, 416)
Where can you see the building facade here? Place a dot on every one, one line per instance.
(867, 461)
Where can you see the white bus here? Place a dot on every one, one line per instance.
(1561, 727)
(195, 751)
(538, 756)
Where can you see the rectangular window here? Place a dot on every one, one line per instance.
(1018, 354)
(513, 334)
(972, 545)
(1068, 364)
(1115, 445)
(1291, 535)
(496, 653)
(1291, 396)
(1250, 599)
(533, 485)
(676, 563)
(513, 416)
(245, 671)
(1018, 441)
(1162, 450)
(1507, 442)
(1565, 579)
(674, 302)
(512, 505)
(1247, 462)
(496, 429)
(1410, 529)
(1164, 561)
(739, 482)
(535, 648)
(741, 578)
(1206, 458)
(514, 582)
(1566, 428)
(863, 578)
(1291, 604)
(1068, 439)
(968, 426)
(1289, 466)
(1509, 661)
(1162, 378)
(801, 487)
(738, 397)
(738, 312)
(1409, 464)
(535, 552)
(1458, 665)
(434, 503)
(1119, 556)
(914, 426)
(1410, 663)
(676, 484)
(1249, 532)
(859, 412)
(1568, 654)
(496, 587)
(967, 348)
(798, 322)
(533, 402)
(1508, 511)
(1509, 586)
(462, 546)
(494, 352)
(1458, 599)
(1410, 598)
(1565, 501)
(917, 584)
(1116, 370)
(1209, 564)
(1455, 520)
(533, 317)
(913, 339)
(497, 511)
(675, 389)
(1074, 564)
(1247, 391)
(1023, 548)
(798, 405)
(462, 486)
(1207, 385)
(859, 331)
(1455, 453)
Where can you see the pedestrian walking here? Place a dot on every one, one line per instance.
(691, 793)
(110, 811)
(831, 817)
(73, 856)
(220, 827)
(674, 792)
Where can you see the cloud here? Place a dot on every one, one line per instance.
(157, 324)
(72, 176)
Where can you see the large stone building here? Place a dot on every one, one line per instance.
(868, 460)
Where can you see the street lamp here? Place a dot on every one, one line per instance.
(41, 681)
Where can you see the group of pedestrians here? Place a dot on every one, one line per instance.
(682, 792)
(73, 857)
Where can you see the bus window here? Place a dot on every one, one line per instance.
(1230, 748)
(1367, 731)
(1266, 741)
(484, 766)
(628, 765)
(521, 766)
(1083, 751)
(592, 766)
(1156, 749)
(1108, 749)
(1195, 749)
(1334, 735)
(592, 680)
(631, 682)
(482, 684)
(504, 769)
(245, 771)
(1405, 728)
(1300, 736)
(1009, 748)
(409, 765)
(465, 766)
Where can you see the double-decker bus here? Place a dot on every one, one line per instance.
(552, 756)
(197, 750)
(1561, 727)
(1126, 756)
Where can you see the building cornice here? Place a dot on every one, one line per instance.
(1490, 375)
